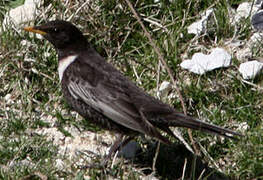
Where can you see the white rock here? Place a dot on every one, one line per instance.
(21, 14)
(243, 11)
(201, 63)
(250, 69)
(198, 27)
(165, 87)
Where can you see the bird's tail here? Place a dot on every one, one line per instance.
(181, 120)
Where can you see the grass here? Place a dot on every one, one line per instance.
(32, 102)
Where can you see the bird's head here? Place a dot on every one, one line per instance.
(61, 34)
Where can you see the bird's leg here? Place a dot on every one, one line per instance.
(117, 145)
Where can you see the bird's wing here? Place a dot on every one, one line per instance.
(91, 85)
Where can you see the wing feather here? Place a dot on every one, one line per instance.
(113, 108)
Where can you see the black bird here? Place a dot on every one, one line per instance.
(105, 97)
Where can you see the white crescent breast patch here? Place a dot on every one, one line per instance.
(64, 63)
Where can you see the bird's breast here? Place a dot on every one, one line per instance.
(64, 63)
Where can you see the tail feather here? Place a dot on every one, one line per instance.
(181, 120)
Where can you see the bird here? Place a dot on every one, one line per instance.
(105, 97)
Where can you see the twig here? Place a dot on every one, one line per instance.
(185, 163)
(157, 50)
(201, 175)
(252, 84)
(210, 158)
(156, 156)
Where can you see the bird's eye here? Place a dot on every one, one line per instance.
(56, 30)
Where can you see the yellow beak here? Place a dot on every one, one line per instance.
(31, 29)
